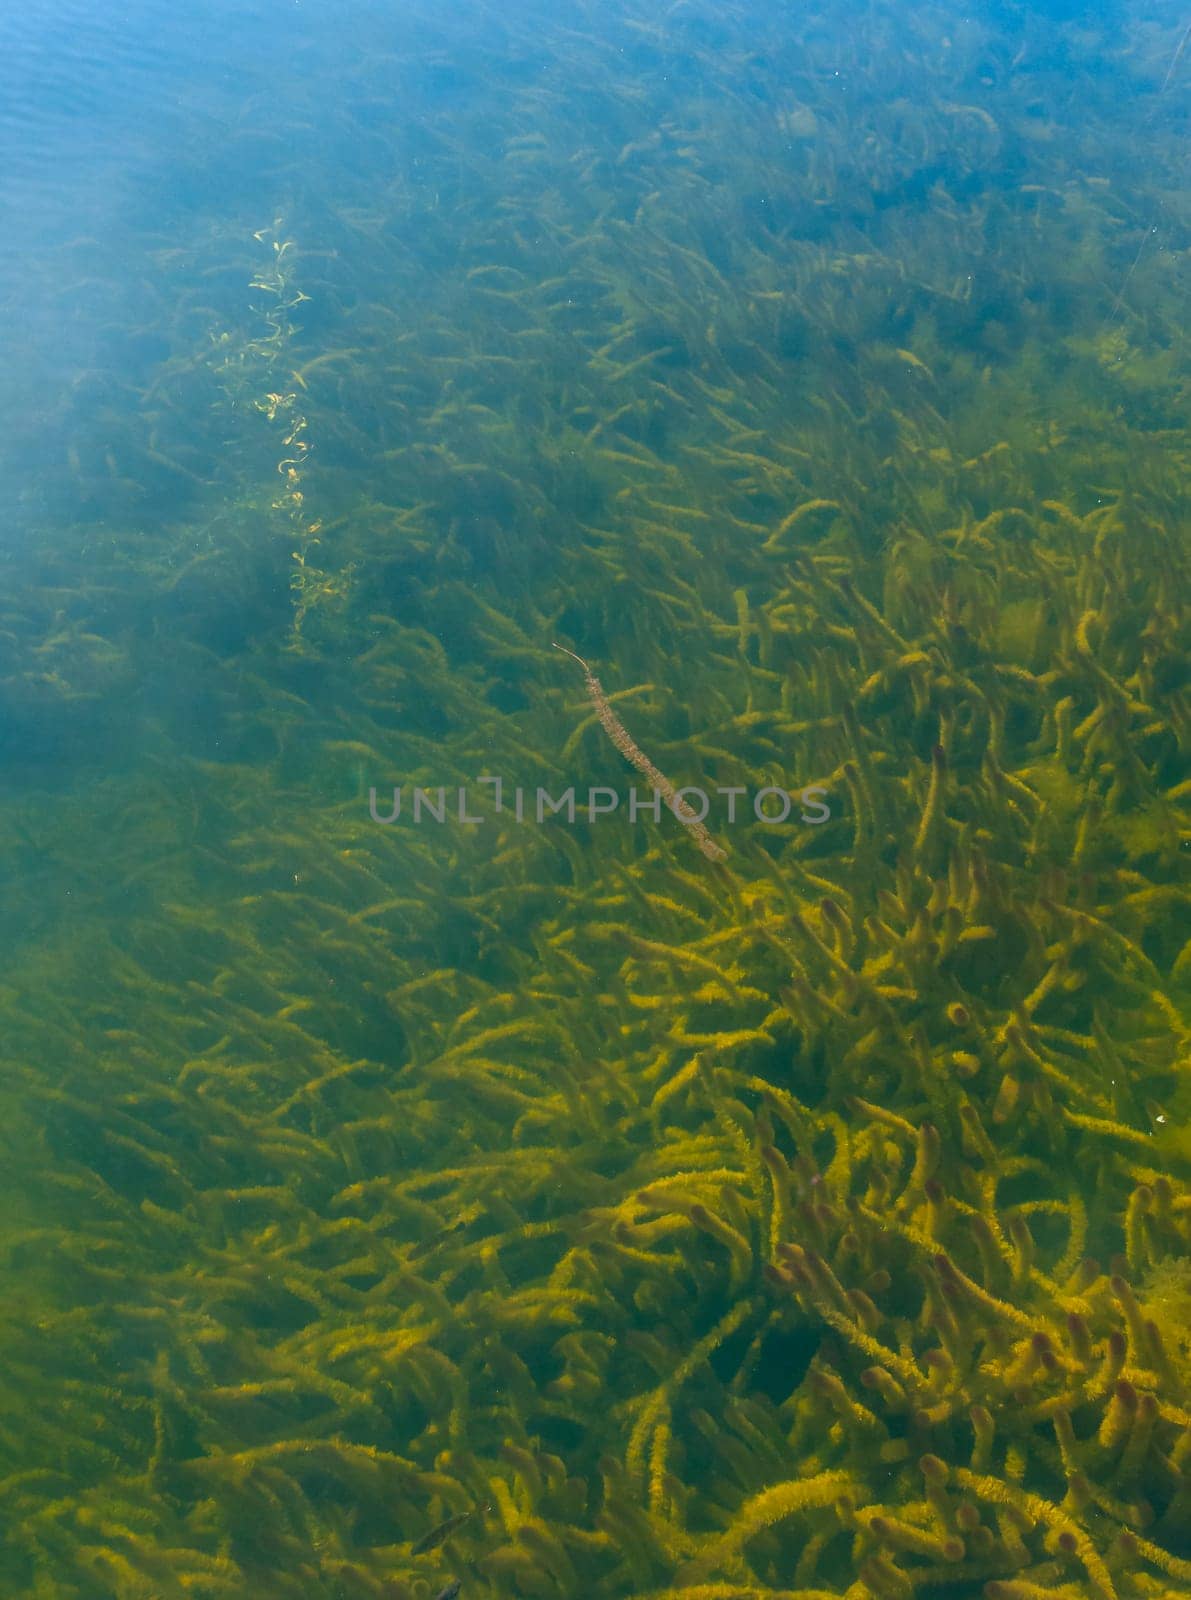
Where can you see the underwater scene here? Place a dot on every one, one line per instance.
(595, 798)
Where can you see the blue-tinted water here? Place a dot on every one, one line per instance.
(702, 1114)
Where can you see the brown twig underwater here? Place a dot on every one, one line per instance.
(632, 751)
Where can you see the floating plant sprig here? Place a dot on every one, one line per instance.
(310, 584)
(633, 753)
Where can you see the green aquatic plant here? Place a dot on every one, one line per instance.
(537, 1209)
(248, 368)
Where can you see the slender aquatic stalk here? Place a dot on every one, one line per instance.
(632, 751)
(1174, 60)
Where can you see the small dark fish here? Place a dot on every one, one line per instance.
(451, 1590)
(440, 1534)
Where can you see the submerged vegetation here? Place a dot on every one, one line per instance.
(553, 1209)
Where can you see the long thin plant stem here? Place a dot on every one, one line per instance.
(632, 751)
(1174, 60)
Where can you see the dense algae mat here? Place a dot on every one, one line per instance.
(556, 1208)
